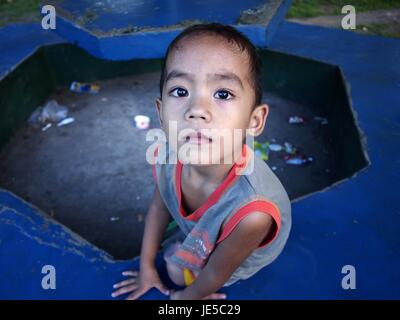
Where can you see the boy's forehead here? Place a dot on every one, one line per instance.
(204, 53)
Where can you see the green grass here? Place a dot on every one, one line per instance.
(313, 8)
(12, 11)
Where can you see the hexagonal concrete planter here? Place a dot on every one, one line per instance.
(92, 175)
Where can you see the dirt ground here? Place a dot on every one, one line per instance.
(92, 175)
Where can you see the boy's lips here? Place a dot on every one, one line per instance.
(197, 138)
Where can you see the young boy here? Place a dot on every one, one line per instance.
(235, 217)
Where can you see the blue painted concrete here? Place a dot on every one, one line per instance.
(356, 222)
(30, 240)
(19, 41)
(153, 43)
(140, 45)
(155, 13)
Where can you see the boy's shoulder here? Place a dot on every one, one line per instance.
(261, 185)
(264, 181)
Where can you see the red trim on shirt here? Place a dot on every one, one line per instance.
(255, 206)
(190, 258)
(213, 198)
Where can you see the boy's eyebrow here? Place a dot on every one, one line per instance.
(227, 76)
(179, 74)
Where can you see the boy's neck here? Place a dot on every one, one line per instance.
(213, 174)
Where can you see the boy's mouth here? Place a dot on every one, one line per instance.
(198, 138)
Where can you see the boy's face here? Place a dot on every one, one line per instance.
(208, 86)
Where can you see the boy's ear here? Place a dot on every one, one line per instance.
(158, 107)
(258, 118)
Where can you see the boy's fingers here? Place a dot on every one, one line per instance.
(124, 290)
(124, 283)
(136, 294)
(130, 273)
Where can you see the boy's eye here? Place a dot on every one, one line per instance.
(179, 92)
(223, 95)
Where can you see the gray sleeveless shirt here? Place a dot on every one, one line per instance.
(250, 186)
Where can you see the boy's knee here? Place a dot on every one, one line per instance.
(175, 273)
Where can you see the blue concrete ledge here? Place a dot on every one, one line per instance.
(98, 38)
(19, 41)
(31, 240)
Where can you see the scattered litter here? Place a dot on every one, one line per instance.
(297, 159)
(104, 99)
(140, 217)
(142, 122)
(296, 120)
(289, 148)
(137, 197)
(262, 154)
(51, 112)
(84, 87)
(274, 168)
(275, 147)
(65, 122)
(321, 120)
(114, 219)
(46, 127)
(261, 150)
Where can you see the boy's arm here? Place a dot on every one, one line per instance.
(156, 223)
(229, 255)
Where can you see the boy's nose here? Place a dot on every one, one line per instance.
(198, 112)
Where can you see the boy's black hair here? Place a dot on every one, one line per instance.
(231, 35)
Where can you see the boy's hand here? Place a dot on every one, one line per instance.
(139, 284)
(179, 295)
